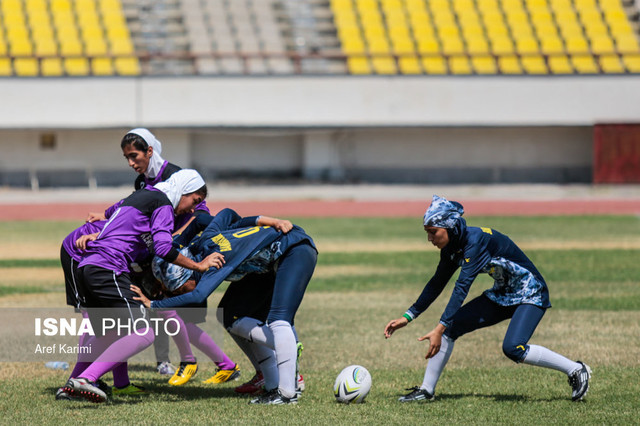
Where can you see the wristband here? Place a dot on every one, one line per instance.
(408, 317)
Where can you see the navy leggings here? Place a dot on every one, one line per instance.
(482, 312)
(292, 277)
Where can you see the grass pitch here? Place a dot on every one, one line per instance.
(369, 271)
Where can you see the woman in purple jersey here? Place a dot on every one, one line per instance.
(139, 223)
(70, 257)
(143, 153)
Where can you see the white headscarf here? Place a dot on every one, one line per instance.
(182, 182)
(156, 161)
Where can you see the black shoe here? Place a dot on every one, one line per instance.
(274, 397)
(416, 394)
(579, 381)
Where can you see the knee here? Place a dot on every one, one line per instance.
(515, 351)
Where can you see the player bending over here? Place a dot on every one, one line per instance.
(519, 293)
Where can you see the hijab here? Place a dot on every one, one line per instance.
(443, 213)
(156, 161)
(182, 182)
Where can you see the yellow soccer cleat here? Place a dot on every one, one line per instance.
(222, 376)
(130, 389)
(186, 371)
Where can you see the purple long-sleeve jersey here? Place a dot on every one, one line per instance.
(137, 226)
(69, 243)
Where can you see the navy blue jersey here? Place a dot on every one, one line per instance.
(227, 234)
(476, 250)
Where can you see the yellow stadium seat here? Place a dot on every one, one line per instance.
(453, 46)
(353, 45)
(3, 48)
(71, 48)
(497, 31)
(434, 65)
(358, 65)
(102, 66)
(487, 5)
(51, 67)
(121, 47)
(459, 65)
(425, 31)
(402, 46)
(20, 47)
(525, 46)
(596, 30)
(584, 64)
(470, 32)
(571, 31)
(547, 29)
(577, 45)
(628, 44)
(524, 31)
(95, 47)
(484, 64)
(611, 64)
(418, 19)
(5, 67)
(477, 46)
(566, 16)
(632, 62)
(399, 32)
(17, 33)
(76, 66)
(501, 46)
(551, 45)
(621, 29)
(46, 47)
(448, 31)
(541, 16)
(341, 4)
(384, 65)
(534, 64)
(610, 4)
(379, 45)
(42, 33)
(559, 64)
(427, 46)
(603, 44)
(413, 5)
(409, 65)
(26, 67)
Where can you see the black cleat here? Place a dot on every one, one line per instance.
(274, 397)
(416, 394)
(579, 381)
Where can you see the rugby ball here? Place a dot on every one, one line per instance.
(352, 384)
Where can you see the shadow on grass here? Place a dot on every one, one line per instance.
(494, 397)
(160, 393)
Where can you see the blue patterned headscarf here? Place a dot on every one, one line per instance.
(172, 276)
(443, 213)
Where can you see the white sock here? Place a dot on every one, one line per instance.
(286, 350)
(247, 348)
(267, 361)
(543, 357)
(436, 364)
(253, 330)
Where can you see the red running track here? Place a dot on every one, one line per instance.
(316, 208)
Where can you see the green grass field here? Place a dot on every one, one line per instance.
(370, 271)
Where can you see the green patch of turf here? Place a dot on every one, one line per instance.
(29, 263)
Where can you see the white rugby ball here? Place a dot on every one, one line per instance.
(352, 384)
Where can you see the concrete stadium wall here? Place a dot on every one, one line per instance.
(382, 129)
